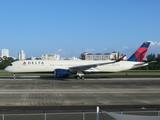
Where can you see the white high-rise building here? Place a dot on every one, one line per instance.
(21, 55)
(4, 52)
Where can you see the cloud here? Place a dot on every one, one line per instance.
(105, 49)
(59, 50)
(154, 43)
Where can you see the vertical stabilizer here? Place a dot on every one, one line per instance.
(140, 53)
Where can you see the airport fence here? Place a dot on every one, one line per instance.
(74, 115)
(57, 116)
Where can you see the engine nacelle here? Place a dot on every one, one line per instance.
(61, 73)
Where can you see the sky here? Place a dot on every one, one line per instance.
(71, 27)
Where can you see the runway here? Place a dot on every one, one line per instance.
(88, 92)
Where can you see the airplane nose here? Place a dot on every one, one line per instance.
(9, 68)
(6, 69)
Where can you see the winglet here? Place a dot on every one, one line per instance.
(121, 58)
(140, 53)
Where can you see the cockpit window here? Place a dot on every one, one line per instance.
(10, 64)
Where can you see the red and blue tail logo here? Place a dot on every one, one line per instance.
(140, 53)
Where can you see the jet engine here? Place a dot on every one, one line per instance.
(61, 73)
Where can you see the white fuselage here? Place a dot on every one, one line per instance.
(51, 65)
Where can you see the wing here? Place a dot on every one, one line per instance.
(85, 67)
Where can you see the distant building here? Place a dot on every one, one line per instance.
(114, 55)
(100, 56)
(4, 52)
(89, 56)
(50, 57)
(73, 58)
(106, 56)
(21, 55)
(97, 56)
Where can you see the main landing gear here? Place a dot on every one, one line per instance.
(79, 76)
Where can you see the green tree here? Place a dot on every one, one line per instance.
(5, 61)
(151, 57)
(158, 57)
(82, 56)
(158, 62)
(152, 66)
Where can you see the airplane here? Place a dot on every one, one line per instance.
(64, 68)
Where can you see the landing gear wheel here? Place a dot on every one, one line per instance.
(78, 77)
(82, 77)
